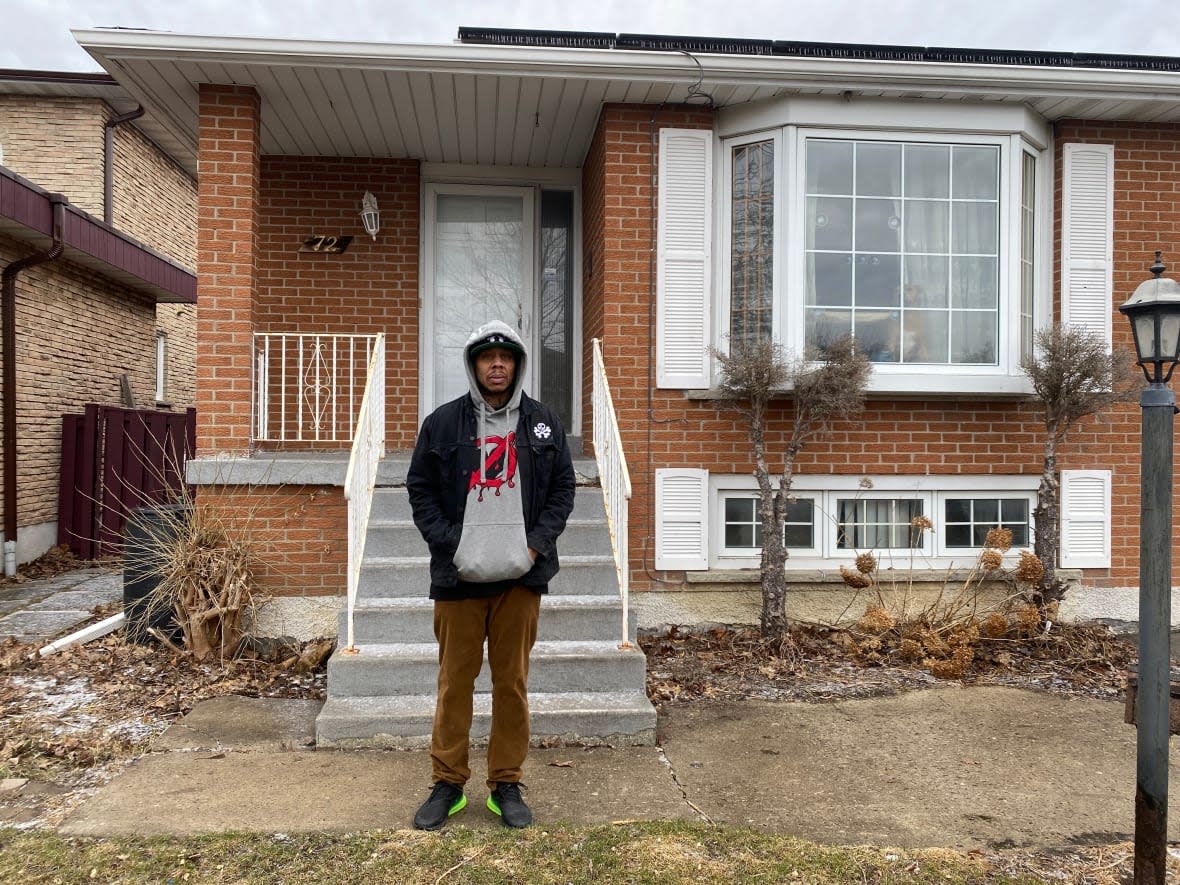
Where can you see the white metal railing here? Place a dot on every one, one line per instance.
(368, 447)
(614, 478)
(308, 387)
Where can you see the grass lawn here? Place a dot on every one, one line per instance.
(625, 852)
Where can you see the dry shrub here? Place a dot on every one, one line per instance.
(1028, 620)
(947, 635)
(875, 620)
(994, 626)
(204, 578)
(954, 667)
(910, 650)
(856, 579)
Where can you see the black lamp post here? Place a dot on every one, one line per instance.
(1154, 312)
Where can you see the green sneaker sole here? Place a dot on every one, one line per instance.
(494, 806)
(458, 806)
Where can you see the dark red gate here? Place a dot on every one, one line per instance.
(112, 461)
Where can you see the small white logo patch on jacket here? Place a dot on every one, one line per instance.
(541, 430)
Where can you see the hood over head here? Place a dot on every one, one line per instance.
(496, 334)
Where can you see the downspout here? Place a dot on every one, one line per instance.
(108, 160)
(8, 376)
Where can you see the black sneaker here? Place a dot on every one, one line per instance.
(445, 799)
(505, 801)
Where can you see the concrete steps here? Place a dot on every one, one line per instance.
(386, 576)
(617, 718)
(583, 688)
(411, 619)
(411, 668)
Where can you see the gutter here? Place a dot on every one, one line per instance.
(108, 160)
(8, 389)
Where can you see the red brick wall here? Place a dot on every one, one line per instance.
(911, 437)
(1146, 218)
(227, 211)
(298, 534)
(618, 291)
(371, 287)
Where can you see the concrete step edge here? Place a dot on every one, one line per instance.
(543, 648)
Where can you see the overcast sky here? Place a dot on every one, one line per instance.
(36, 33)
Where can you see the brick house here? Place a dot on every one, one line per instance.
(666, 195)
(118, 300)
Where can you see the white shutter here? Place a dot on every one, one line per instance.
(682, 500)
(1087, 237)
(1085, 519)
(683, 271)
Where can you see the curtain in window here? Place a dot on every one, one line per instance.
(752, 244)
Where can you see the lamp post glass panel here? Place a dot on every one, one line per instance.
(1154, 312)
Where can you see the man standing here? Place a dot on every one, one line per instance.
(491, 484)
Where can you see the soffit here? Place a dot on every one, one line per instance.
(537, 107)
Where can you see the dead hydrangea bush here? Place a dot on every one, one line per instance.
(943, 635)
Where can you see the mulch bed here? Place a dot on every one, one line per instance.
(823, 664)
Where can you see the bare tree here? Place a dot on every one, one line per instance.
(825, 386)
(1074, 375)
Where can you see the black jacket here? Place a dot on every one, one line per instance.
(444, 458)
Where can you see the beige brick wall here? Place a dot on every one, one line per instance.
(155, 200)
(76, 335)
(178, 322)
(57, 144)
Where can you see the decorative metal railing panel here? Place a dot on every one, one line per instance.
(614, 478)
(308, 387)
(368, 448)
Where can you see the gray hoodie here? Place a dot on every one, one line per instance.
(493, 546)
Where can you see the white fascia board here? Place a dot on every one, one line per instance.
(883, 113)
(787, 71)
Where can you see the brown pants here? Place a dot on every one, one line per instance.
(509, 624)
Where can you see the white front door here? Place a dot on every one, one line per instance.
(479, 266)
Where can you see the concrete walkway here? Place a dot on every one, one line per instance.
(954, 767)
(44, 609)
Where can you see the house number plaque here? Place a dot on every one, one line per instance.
(325, 244)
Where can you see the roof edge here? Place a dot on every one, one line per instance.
(99, 245)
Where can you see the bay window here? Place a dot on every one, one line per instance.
(925, 246)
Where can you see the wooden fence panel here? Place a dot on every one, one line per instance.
(114, 460)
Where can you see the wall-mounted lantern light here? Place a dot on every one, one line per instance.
(370, 215)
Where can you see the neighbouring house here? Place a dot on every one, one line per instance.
(665, 196)
(97, 250)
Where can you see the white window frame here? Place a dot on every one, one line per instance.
(1030, 497)
(898, 557)
(724, 268)
(792, 121)
(827, 490)
(736, 555)
(161, 366)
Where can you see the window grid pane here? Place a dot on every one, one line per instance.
(885, 221)
(752, 244)
(968, 520)
(743, 527)
(878, 524)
